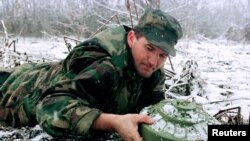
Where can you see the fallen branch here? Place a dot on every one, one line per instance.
(233, 117)
(227, 100)
(226, 110)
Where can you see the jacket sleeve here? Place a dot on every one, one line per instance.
(63, 116)
(71, 105)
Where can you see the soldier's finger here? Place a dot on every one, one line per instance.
(145, 119)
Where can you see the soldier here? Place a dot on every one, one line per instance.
(99, 86)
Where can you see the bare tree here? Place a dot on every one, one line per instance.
(81, 18)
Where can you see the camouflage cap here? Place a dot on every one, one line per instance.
(160, 29)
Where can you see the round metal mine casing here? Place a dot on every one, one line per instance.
(176, 120)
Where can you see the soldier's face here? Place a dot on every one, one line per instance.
(147, 57)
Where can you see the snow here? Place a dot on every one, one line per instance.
(222, 68)
(53, 49)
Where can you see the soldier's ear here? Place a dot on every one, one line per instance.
(131, 38)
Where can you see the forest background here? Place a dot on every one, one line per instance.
(211, 19)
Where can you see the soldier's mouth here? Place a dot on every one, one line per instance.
(146, 68)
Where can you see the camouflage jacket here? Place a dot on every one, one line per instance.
(64, 98)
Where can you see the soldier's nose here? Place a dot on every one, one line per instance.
(153, 60)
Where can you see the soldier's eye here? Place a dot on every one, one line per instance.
(150, 48)
(163, 55)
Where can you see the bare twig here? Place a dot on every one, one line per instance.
(136, 10)
(225, 110)
(230, 115)
(111, 18)
(5, 33)
(146, 2)
(77, 41)
(130, 14)
(171, 64)
(121, 11)
(228, 100)
(169, 73)
(158, 3)
(180, 79)
(172, 86)
(69, 46)
(14, 44)
(118, 21)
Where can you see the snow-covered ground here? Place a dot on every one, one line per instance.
(222, 67)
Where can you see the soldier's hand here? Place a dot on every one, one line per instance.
(127, 126)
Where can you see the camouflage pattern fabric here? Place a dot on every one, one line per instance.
(66, 97)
